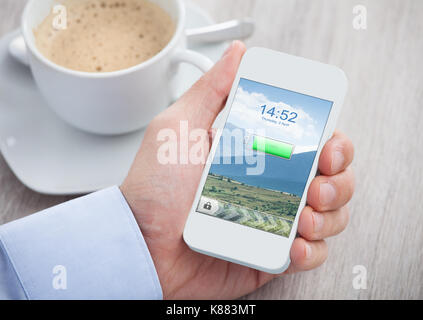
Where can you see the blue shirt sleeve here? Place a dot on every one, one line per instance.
(87, 248)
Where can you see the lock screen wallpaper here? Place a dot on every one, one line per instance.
(264, 157)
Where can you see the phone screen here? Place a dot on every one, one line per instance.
(264, 157)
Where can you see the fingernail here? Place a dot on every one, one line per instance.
(307, 251)
(327, 193)
(318, 221)
(228, 49)
(337, 161)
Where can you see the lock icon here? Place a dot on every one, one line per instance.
(207, 206)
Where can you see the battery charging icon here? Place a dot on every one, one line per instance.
(273, 147)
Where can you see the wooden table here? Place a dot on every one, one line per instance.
(383, 114)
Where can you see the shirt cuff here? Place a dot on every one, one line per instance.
(87, 248)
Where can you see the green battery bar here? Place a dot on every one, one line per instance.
(273, 147)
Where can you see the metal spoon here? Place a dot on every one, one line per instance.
(230, 30)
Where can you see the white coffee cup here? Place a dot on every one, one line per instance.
(110, 102)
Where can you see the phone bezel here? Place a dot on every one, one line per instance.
(242, 244)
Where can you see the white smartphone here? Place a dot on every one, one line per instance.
(280, 112)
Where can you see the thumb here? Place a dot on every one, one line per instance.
(203, 102)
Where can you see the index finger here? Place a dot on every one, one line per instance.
(337, 154)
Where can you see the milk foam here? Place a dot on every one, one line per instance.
(105, 35)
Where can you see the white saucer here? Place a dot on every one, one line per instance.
(49, 156)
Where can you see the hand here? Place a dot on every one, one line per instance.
(161, 196)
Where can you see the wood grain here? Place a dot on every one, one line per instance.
(382, 115)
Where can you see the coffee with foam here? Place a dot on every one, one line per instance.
(105, 35)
